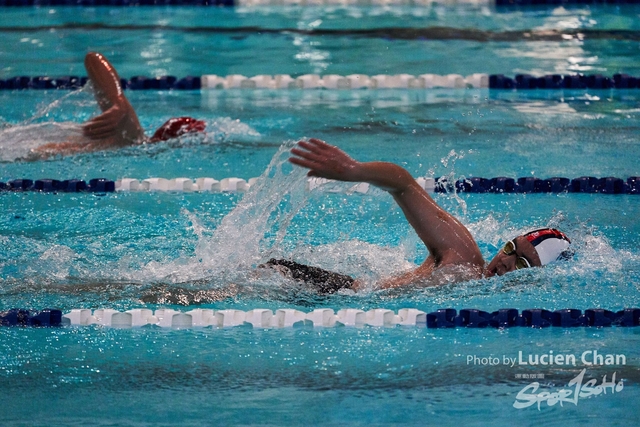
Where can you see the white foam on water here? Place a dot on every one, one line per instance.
(228, 128)
(16, 142)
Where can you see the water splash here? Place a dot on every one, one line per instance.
(251, 232)
(267, 208)
(17, 140)
(449, 178)
(226, 128)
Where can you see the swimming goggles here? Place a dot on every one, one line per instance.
(510, 249)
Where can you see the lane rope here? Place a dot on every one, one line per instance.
(323, 317)
(312, 3)
(583, 184)
(338, 82)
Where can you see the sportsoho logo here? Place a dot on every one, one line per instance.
(577, 390)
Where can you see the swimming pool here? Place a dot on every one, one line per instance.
(128, 250)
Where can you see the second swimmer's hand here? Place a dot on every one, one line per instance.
(324, 160)
(106, 124)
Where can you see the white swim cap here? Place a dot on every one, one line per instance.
(550, 244)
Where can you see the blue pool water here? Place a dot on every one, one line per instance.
(198, 250)
(460, 39)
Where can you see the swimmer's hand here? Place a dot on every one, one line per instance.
(325, 161)
(106, 124)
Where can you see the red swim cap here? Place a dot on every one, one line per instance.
(176, 127)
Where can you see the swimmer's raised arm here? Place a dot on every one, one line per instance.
(118, 125)
(327, 161)
(448, 241)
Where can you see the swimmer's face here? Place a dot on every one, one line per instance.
(503, 263)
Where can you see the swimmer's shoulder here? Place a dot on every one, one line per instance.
(77, 146)
(452, 273)
(429, 275)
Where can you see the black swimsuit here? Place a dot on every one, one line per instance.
(326, 282)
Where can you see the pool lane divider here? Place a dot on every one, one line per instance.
(97, 185)
(315, 3)
(337, 82)
(323, 317)
(584, 184)
(120, 3)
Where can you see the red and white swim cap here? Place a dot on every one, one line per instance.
(549, 243)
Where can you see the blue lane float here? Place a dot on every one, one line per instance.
(534, 318)
(557, 81)
(96, 185)
(75, 82)
(583, 184)
(325, 317)
(18, 317)
(162, 83)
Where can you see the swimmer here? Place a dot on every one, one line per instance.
(118, 125)
(454, 255)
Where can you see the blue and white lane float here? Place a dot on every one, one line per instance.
(425, 81)
(583, 184)
(322, 317)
